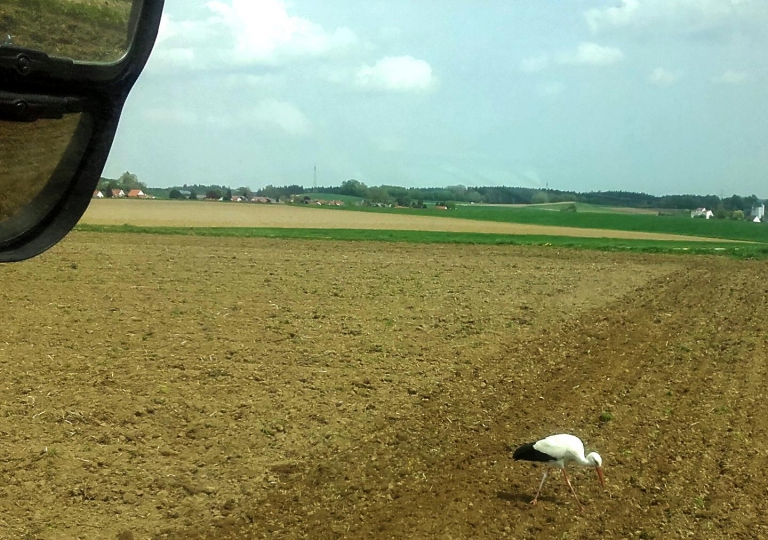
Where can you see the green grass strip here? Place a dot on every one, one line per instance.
(740, 251)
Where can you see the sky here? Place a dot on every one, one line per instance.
(658, 96)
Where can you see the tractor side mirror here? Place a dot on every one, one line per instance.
(66, 68)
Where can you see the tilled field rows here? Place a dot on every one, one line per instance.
(680, 365)
(218, 388)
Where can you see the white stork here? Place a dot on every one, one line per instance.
(558, 451)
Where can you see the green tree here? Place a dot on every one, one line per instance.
(379, 195)
(128, 181)
(174, 194)
(473, 196)
(355, 189)
(192, 195)
(734, 202)
(108, 187)
(721, 213)
(738, 215)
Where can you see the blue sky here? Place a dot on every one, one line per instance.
(660, 96)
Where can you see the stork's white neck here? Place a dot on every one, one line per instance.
(592, 460)
(581, 460)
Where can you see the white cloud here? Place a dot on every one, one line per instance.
(397, 74)
(266, 33)
(170, 57)
(731, 77)
(662, 78)
(681, 17)
(276, 114)
(614, 16)
(270, 115)
(249, 32)
(534, 64)
(253, 43)
(185, 33)
(586, 54)
(592, 54)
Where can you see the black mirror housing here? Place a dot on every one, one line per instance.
(36, 87)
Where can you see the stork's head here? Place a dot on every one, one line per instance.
(597, 462)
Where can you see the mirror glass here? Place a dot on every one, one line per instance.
(83, 30)
(31, 157)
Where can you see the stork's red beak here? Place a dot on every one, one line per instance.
(600, 476)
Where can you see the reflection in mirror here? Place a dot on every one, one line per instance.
(83, 30)
(29, 155)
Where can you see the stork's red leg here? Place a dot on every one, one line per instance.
(570, 486)
(536, 498)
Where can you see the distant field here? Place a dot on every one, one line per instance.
(209, 214)
(585, 207)
(668, 225)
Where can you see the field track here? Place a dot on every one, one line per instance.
(212, 214)
(211, 388)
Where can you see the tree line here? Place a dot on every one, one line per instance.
(521, 195)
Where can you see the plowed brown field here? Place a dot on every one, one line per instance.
(187, 387)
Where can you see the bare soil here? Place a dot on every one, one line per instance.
(154, 213)
(184, 387)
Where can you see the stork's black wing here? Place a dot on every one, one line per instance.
(528, 453)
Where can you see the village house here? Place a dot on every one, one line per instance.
(118, 193)
(702, 212)
(136, 194)
(98, 194)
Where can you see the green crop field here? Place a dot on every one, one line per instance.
(586, 207)
(684, 225)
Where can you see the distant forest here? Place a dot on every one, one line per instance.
(418, 196)
(516, 195)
